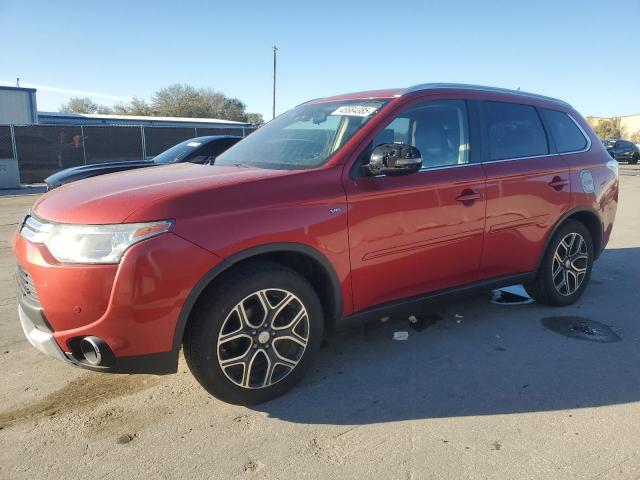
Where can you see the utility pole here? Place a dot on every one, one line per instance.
(275, 50)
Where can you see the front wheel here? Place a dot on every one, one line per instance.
(635, 158)
(566, 267)
(254, 337)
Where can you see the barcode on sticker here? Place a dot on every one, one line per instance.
(355, 110)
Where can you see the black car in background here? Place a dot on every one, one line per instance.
(623, 150)
(202, 150)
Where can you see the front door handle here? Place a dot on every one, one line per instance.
(558, 183)
(468, 196)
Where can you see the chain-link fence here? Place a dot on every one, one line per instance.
(41, 150)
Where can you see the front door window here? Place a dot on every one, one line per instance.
(438, 129)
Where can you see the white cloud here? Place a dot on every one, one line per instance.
(68, 91)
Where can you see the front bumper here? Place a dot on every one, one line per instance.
(133, 306)
(40, 339)
(44, 341)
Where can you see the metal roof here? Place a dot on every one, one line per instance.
(97, 119)
(18, 89)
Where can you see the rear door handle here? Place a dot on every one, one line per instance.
(558, 183)
(467, 197)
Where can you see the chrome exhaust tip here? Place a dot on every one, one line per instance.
(92, 349)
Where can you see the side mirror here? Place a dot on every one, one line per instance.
(393, 159)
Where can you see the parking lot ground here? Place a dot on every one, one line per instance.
(485, 392)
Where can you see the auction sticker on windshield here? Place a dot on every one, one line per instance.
(355, 110)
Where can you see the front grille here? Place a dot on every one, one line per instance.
(26, 288)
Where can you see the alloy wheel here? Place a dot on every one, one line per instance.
(570, 262)
(263, 338)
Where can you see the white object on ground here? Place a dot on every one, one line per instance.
(514, 290)
(400, 335)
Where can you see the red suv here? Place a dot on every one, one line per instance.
(341, 210)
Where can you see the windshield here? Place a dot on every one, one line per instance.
(609, 143)
(305, 137)
(178, 152)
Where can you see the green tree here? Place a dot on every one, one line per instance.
(233, 109)
(104, 110)
(609, 128)
(255, 119)
(182, 100)
(213, 102)
(137, 106)
(178, 100)
(83, 105)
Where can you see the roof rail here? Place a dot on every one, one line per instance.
(478, 88)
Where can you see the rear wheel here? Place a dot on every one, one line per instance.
(566, 267)
(635, 158)
(253, 339)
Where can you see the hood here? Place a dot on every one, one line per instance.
(115, 197)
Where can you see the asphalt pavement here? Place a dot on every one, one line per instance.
(477, 390)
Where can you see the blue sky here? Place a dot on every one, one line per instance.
(574, 50)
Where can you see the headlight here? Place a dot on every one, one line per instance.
(90, 243)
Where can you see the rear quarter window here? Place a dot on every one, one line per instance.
(513, 130)
(566, 134)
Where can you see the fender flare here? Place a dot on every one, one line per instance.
(561, 220)
(228, 262)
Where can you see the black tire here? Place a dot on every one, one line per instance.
(634, 159)
(202, 334)
(543, 289)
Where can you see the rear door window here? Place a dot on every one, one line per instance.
(566, 134)
(513, 130)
